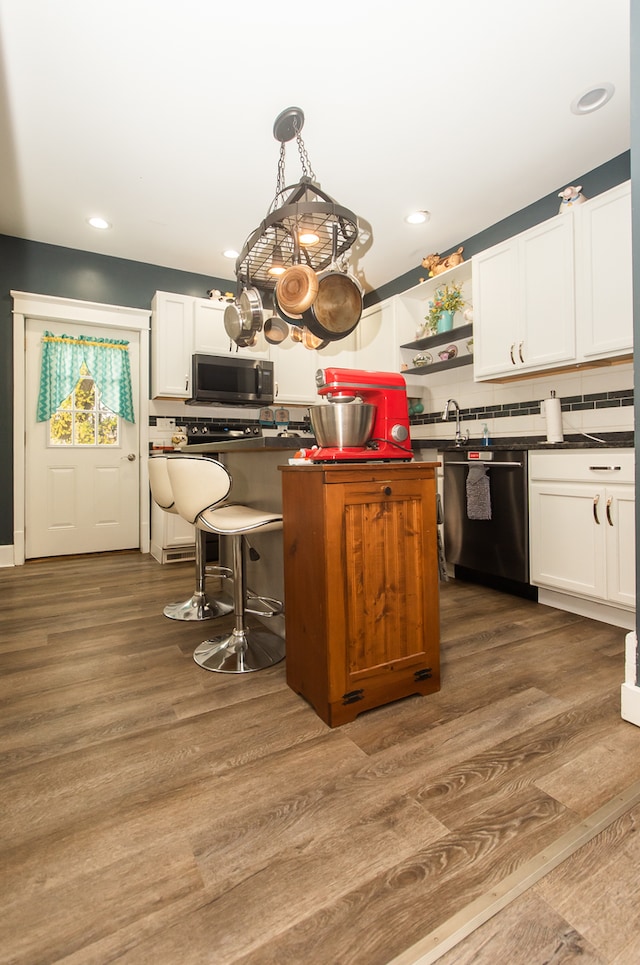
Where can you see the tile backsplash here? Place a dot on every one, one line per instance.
(592, 400)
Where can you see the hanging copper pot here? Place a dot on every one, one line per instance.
(297, 288)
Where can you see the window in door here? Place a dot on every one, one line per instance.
(82, 419)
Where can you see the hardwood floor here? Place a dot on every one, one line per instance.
(153, 812)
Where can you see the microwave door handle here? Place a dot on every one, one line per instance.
(259, 381)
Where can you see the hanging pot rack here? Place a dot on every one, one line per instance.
(296, 207)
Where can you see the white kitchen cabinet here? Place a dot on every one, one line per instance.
(181, 326)
(172, 538)
(376, 339)
(523, 302)
(171, 345)
(294, 369)
(582, 512)
(604, 292)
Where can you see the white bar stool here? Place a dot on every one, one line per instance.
(199, 606)
(193, 481)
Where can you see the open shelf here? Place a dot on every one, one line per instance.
(438, 366)
(453, 335)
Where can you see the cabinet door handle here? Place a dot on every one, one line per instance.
(606, 468)
(595, 509)
(609, 520)
(186, 383)
(387, 490)
(520, 352)
(513, 361)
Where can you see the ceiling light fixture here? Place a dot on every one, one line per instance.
(307, 237)
(277, 265)
(418, 217)
(301, 208)
(231, 253)
(593, 99)
(99, 223)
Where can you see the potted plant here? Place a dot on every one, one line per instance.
(445, 303)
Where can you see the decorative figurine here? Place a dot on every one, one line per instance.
(570, 196)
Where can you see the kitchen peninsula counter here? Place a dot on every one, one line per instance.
(279, 444)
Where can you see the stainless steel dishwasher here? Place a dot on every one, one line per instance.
(494, 550)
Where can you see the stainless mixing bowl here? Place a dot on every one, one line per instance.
(342, 424)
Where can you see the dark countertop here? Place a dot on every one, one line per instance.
(611, 440)
(254, 444)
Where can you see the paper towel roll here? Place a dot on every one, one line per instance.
(553, 415)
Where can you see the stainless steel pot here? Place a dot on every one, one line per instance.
(342, 424)
(243, 318)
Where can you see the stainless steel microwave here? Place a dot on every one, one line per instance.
(231, 380)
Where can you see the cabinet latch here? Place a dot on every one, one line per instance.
(353, 696)
(423, 674)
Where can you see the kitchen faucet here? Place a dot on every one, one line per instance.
(460, 438)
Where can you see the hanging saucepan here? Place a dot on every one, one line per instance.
(290, 319)
(297, 288)
(251, 310)
(337, 307)
(311, 342)
(243, 318)
(233, 322)
(276, 330)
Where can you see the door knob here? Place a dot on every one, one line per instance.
(131, 457)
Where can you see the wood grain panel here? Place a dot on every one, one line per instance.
(154, 812)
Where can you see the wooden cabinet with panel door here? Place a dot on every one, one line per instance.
(361, 584)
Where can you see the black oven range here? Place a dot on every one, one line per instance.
(219, 431)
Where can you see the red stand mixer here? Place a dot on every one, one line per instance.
(387, 392)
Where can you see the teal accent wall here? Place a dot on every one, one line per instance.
(594, 182)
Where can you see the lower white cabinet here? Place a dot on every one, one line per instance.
(172, 538)
(582, 524)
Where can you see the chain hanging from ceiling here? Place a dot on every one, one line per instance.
(304, 225)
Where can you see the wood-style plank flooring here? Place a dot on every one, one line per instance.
(153, 812)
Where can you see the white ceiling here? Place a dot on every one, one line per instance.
(158, 115)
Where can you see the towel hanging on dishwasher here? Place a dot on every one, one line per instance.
(478, 493)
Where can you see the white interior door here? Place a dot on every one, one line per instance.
(79, 498)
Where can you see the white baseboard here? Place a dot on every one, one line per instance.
(7, 557)
(616, 616)
(630, 704)
(630, 693)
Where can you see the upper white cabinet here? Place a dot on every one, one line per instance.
(181, 326)
(604, 295)
(558, 294)
(171, 345)
(523, 302)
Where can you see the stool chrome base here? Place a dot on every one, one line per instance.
(198, 607)
(240, 651)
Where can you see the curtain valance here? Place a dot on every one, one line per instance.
(107, 360)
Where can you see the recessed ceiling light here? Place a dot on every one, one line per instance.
(418, 217)
(592, 99)
(99, 223)
(230, 253)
